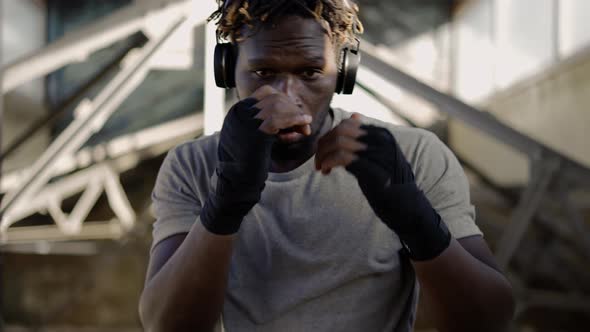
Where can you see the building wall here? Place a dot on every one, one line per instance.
(547, 99)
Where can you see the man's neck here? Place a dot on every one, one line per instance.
(282, 166)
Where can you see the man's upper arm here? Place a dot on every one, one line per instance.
(175, 200)
(161, 252)
(441, 177)
(479, 249)
(176, 206)
(447, 188)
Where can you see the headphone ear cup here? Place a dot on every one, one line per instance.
(350, 63)
(353, 59)
(341, 68)
(224, 65)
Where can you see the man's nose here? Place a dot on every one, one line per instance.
(288, 85)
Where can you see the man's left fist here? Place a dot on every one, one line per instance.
(386, 179)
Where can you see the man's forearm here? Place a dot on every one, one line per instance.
(465, 294)
(187, 293)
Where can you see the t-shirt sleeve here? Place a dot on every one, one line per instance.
(175, 202)
(442, 179)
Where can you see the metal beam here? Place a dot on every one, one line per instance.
(44, 247)
(138, 40)
(76, 46)
(383, 100)
(541, 176)
(72, 223)
(118, 199)
(92, 181)
(151, 141)
(93, 230)
(576, 219)
(476, 118)
(483, 121)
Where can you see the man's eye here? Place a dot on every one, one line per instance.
(310, 74)
(263, 73)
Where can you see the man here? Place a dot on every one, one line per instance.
(300, 217)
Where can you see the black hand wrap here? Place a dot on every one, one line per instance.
(243, 165)
(386, 178)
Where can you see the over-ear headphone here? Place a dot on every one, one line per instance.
(350, 58)
(225, 66)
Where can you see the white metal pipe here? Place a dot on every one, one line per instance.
(149, 138)
(91, 231)
(59, 190)
(74, 221)
(76, 46)
(117, 199)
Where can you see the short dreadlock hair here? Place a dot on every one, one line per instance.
(340, 15)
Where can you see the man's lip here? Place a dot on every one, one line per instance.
(290, 137)
(287, 130)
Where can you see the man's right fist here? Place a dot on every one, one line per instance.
(243, 166)
(249, 130)
(244, 150)
(281, 114)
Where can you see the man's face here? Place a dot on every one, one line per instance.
(294, 56)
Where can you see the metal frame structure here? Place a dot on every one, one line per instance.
(27, 191)
(99, 169)
(90, 117)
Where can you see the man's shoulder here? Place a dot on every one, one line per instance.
(202, 146)
(194, 157)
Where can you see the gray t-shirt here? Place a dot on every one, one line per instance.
(312, 255)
